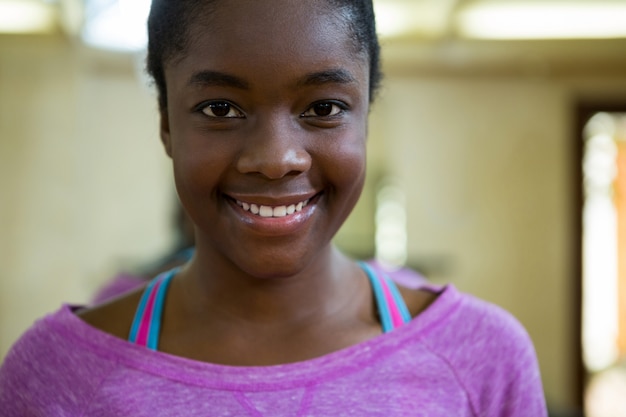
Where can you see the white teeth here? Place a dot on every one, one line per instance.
(269, 211)
(265, 211)
(280, 211)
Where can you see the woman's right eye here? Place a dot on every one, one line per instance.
(221, 109)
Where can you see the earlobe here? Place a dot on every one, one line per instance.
(165, 133)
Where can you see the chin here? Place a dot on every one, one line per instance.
(278, 265)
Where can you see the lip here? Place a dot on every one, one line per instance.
(275, 226)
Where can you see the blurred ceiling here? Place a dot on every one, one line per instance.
(529, 35)
(503, 19)
(504, 37)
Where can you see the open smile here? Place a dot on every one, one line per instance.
(272, 211)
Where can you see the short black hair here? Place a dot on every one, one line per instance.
(168, 37)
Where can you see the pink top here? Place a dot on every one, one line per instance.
(460, 357)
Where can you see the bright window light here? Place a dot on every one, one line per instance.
(600, 273)
(118, 25)
(392, 19)
(399, 18)
(24, 16)
(543, 20)
(391, 235)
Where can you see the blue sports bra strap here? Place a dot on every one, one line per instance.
(141, 308)
(157, 316)
(400, 304)
(146, 325)
(381, 302)
(392, 309)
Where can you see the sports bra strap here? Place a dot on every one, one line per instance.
(392, 309)
(146, 325)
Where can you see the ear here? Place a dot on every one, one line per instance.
(166, 138)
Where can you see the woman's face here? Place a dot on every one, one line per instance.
(266, 126)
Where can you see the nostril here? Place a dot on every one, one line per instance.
(274, 146)
(274, 164)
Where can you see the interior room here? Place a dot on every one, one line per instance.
(496, 162)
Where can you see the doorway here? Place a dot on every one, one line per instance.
(602, 249)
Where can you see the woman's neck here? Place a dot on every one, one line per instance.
(222, 315)
(211, 285)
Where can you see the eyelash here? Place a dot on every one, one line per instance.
(336, 109)
(202, 107)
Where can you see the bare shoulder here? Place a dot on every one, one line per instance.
(417, 299)
(114, 317)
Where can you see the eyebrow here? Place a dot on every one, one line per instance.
(220, 79)
(216, 78)
(331, 76)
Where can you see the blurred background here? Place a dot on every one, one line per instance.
(497, 162)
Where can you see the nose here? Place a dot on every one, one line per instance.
(274, 148)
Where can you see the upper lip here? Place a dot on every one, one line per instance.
(271, 200)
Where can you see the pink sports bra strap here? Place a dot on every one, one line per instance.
(392, 309)
(146, 325)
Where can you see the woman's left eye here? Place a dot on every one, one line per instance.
(323, 109)
(221, 109)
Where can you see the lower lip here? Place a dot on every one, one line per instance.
(276, 226)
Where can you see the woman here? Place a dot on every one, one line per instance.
(264, 108)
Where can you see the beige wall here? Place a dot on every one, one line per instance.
(486, 164)
(484, 161)
(84, 183)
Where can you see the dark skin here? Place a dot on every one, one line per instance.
(239, 341)
(282, 122)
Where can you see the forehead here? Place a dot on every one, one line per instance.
(269, 38)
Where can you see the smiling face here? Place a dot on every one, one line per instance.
(266, 125)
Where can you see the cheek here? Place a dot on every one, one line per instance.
(346, 165)
(352, 168)
(198, 167)
(190, 182)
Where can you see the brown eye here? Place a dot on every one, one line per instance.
(221, 109)
(323, 109)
